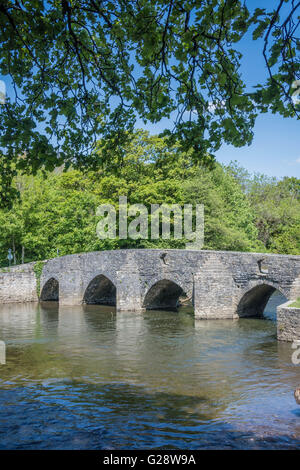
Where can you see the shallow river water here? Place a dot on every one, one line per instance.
(91, 378)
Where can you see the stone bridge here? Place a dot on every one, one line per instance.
(219, 284)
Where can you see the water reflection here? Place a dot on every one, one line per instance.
(89, 377)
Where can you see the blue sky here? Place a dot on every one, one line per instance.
(275, 150)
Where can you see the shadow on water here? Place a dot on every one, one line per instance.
(58, 416)
(88, 377)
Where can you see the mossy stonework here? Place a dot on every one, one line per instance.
(220, 284)
(38, 269)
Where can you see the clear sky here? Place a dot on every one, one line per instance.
(275, 150)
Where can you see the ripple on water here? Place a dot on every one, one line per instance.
(94, 379)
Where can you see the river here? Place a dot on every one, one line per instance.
(90, 378)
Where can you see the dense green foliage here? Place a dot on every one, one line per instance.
(57, 211)
(83, 70)
(276, 205)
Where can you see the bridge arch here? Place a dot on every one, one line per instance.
(163, 294)
(253, 300)
(50, 290)
(100, 290)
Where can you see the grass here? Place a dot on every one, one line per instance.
(296, 304)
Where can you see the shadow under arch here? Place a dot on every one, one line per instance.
(164, 295)
(50, 291)
(255, 300)
(100, 291)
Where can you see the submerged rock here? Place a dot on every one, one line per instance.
(297, 395)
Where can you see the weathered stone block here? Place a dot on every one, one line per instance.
(18, 284)
(288, 322)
